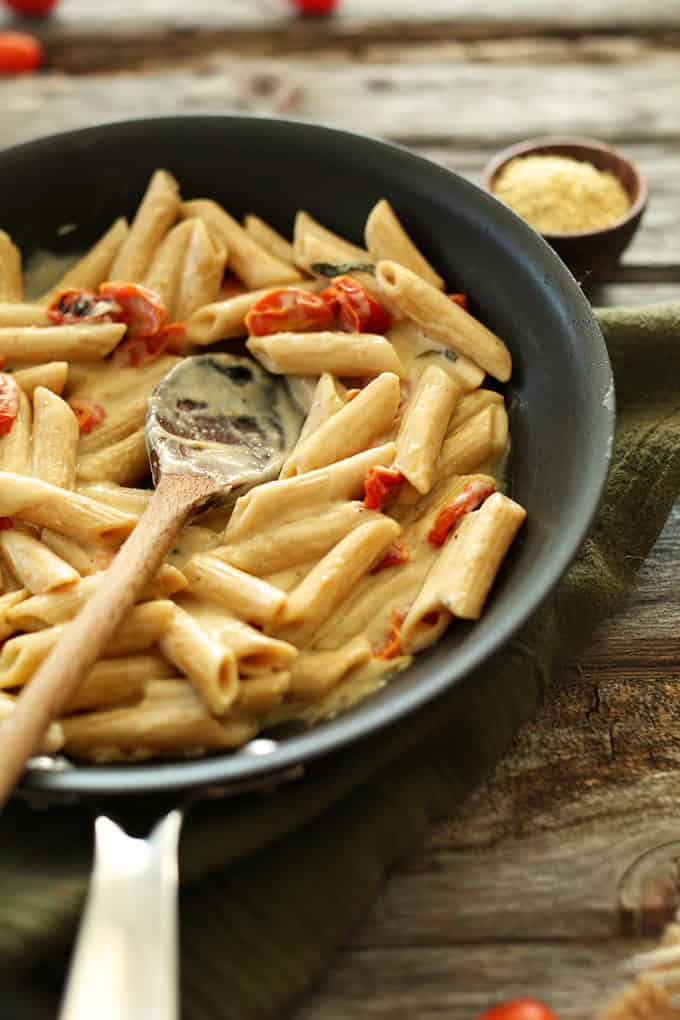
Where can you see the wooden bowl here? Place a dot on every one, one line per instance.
(589, 254)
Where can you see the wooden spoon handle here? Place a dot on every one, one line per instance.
(55, 682)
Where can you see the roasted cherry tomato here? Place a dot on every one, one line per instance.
(140, 350)
(396, 556)
(315, 6)
(88, 414)
(9, 403)
(380, 483)
(391, 646)
(459, 299)
(32, 8)
(6, 523)
(141, 309)
(469, 499)
(519, 1009)
(76, 305)
(20, 53)
(354, 307)
(288, 309)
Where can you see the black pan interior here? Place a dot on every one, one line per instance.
(561, 395)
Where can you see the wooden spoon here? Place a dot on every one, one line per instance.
(215, 423)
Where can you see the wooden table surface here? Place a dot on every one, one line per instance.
(567, 860)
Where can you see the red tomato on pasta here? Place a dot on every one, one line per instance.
(469, 499)
(354, 307)
(88, 414)
(288, 309)
(136, 351)
(9, 403)
(379, 485)
(75, 305)
(141, 309)
(519, 1009)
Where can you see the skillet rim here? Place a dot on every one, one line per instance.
(237, 768)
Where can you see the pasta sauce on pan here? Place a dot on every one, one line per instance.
(386, 523)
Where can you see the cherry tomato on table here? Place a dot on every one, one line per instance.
(314, 6)
(19, 53)
(519, 1009)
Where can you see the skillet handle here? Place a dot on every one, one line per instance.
(125, 962)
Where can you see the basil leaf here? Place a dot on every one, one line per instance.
(340, 268)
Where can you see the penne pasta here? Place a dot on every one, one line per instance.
(211, 578)
(53, 740)
(306, 226)
(109, 682)
(94, 267)
(11, 280)
(18, 314)
(263, 693)
(471, 404)
(9, 601)
(251, 263)
(209, 665)
(296, 497)
(38, 502)
(164, 273)
(387, 239)
(121, 497)
(269, 239)
(225, 320)
(314, 673)
(170, 719)
(355, 355)
(478, 440)
(82, 342)
(326, 401)
(443, 319)
(55, 439)
(202, 271)
(331, 580)
(253, 651)
(352, 429)
(424, 427)
(125, 462)
(52, 376)
(34, 565)
(158, 210)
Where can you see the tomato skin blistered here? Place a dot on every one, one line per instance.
(379, 485)
(354, 307)
(288, 310)
(471, 498)
(9, 403)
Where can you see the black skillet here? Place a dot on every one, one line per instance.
(561, 394)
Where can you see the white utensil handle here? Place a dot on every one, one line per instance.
(125, 963)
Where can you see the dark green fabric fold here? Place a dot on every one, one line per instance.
(271, 885)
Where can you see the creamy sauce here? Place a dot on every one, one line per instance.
(221, 415)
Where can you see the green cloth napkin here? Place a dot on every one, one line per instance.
(271, 885)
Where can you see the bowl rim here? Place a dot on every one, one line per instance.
(236, 770)
(575, 142)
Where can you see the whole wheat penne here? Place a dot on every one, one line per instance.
(157, 212)
(471, 404)
(170, 719)
(328, 398)
(15, 445)
(211, 578)
(123, 417)
(262, 693)
(18, 314)
(208, 664)
(443, 319)
(307, 226)
(298, 497)
(82, 342)
(35, 566)
(55, 439)
(387, 239)
(268, 238)
(251, 263)
(355, 355)
(165, 269)
(95, 266)
(141, 628)
(225, 320)
(11, 280)
(9, 601)
(424, 426)
(205, 257)
(476, 441)
(122, 497)
(299, 541)
(53, 740)
(354, 428)
(125, 462)
(314, 673)
(108, 683)
(67, 512)
(52, 375)
(107, 383)
(331, 580)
